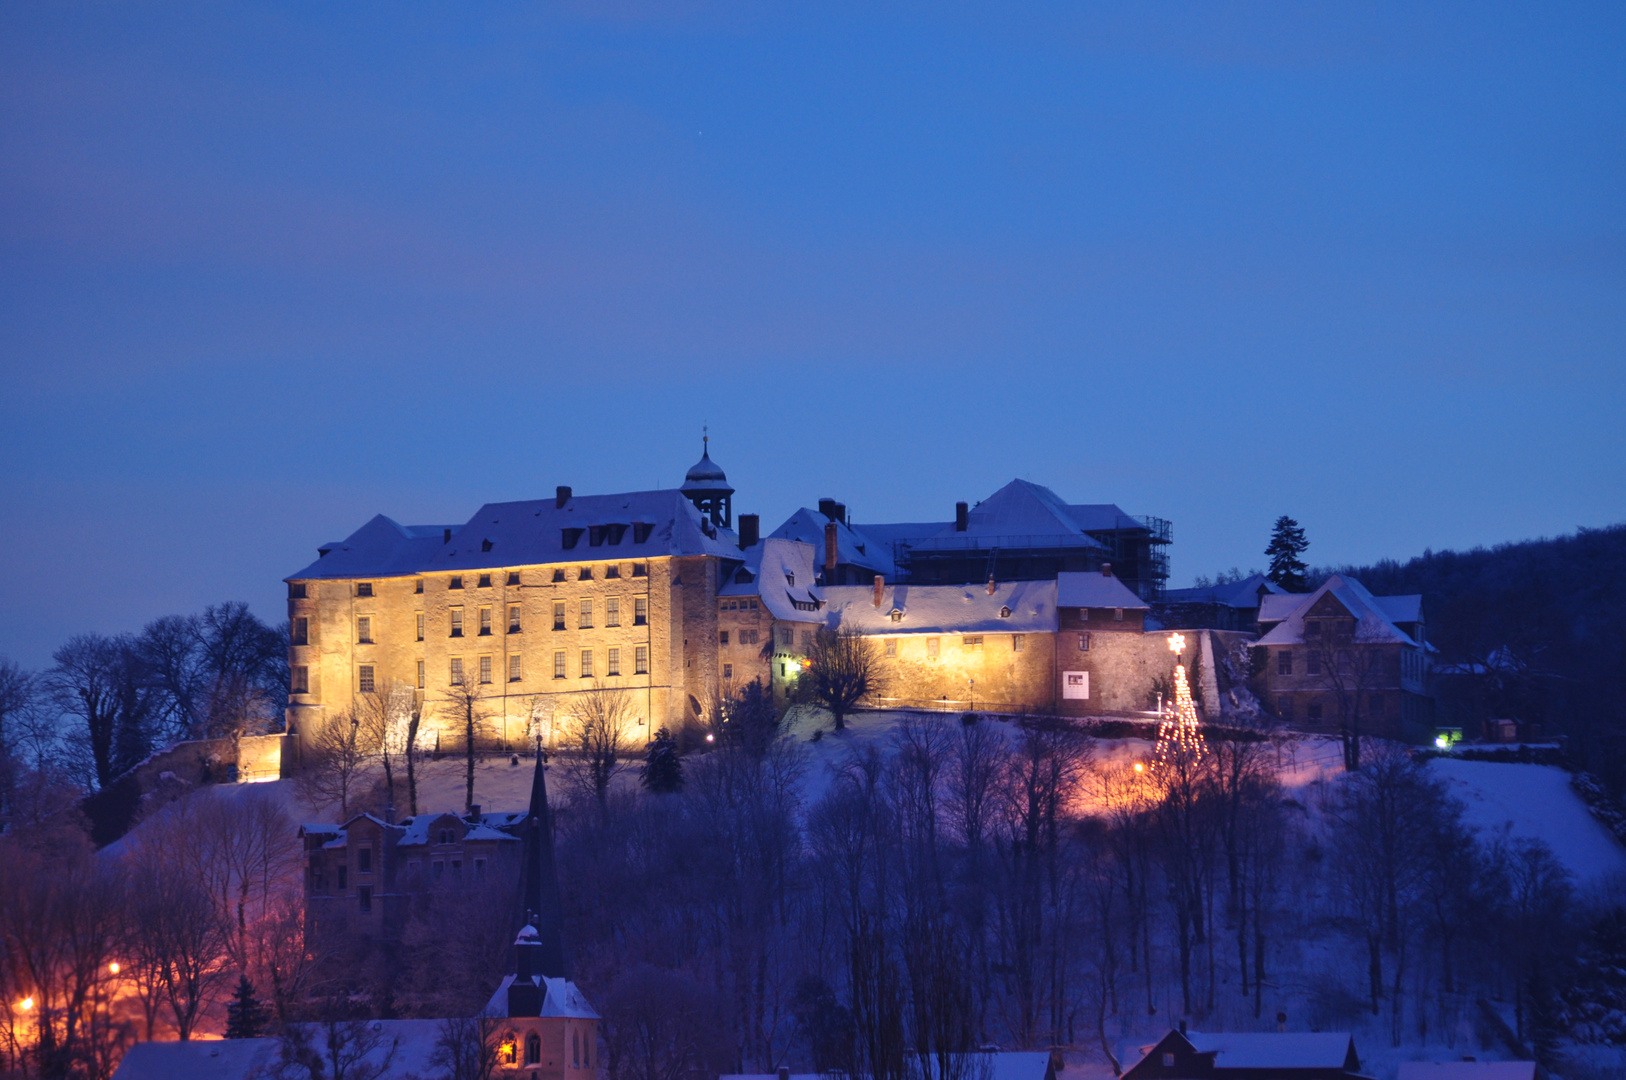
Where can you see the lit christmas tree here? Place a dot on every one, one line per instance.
(1179, 734)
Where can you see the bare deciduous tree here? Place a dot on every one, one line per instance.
(463, 706)
(842, 671)
(338, 760)
(597, 732)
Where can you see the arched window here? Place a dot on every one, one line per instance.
(510, 1049)
(533, 1049)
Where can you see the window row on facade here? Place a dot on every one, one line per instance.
(300, 590)
(586, 611)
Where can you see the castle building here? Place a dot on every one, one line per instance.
(529, 604)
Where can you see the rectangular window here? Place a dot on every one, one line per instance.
(420, 626)
(1284, 663)
(364, 588)
(299, 681)
(344, 877)
(559, 574)
(513, 618)
(931, 648)
(972, 642)
(585, 574)
(559, 615)
(640, 660)
(587, 663)
(787, 637)
(1118, 614)
(728, 671)
(1084, 643)
(364, 629)
(640, 611)
(807, 641)
(485, 669)
(638, 568)
(485, 622)
(1083, 614)
(513, 577)
(364, 897)
(1313, 711)
(614, 569)
(417, 586)
(456, 675)
(364, 860)
(558, 665)
(513, 668)
(420, 674)
(586, 620)
(485, 581)
(302, 631)
(1312, 628)
(479, 869)
(612, 611)
(1312, 663)
(1284, 706)
(722, 637)
(1018, 643)
(612, 665)
(364, 679)
(457, 622)
(891, 648)
(456, 582)
(296, 591)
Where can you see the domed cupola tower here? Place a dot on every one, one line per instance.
(708, 489)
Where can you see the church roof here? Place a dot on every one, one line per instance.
(560, 997)
(527, 533)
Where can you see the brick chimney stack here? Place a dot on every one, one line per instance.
(880, 589)
(1106, 569)
(992, 587)
(750, 530)
(830, 541)
(962, 516)
(561, 495)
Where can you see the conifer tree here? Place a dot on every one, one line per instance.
(245, 1016)
(663, 768)
(1287, 543)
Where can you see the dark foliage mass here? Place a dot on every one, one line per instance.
(1539, 630)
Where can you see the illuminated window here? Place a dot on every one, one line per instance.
(420, 626)
(457, 622)
(1018, 643)
(301, 631)
(364, 678)
(640, 611)
(612, 664)
(586, 620)
(587, 663)
(612, 611)
(1284, 663)
(420, 674)
(931, 648)
(513, 618)
(559, 615)
(513, 668)
(364, 629)
(558, 665)
(456, 675)
(510, 1051)
(485, 579)
(299, 680)
(364, 588)
(640, 660)
(485, 622)
(485, 669)
(891, 647)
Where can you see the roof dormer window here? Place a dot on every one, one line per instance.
(895, 615)
(790, 579)
(641, 531)
(1004, 613)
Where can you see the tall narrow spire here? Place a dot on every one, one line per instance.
(542, 909)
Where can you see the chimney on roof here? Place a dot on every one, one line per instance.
(880, 589)
(962, 516)
(830, 552)
(992, 587)
(827, 507)
(841, 513)
(389, 814)
(474, 812)
(445, 537)
(1106, 569)
(750, 530)
(561, 495)
(784, 1072)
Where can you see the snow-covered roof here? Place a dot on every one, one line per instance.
(1402, 609)
(1236, 594)
(562, 998)
(1095, 590)
(1373, 623)
(1030, 514)
(528, 533)
(1004, 1065)
(250, 1059)
(854, 546)
(1016, 607)
(1275, 1050)
(416, 830)
(1467, 1070)
(782, 574)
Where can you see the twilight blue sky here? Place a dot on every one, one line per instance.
(266, 270)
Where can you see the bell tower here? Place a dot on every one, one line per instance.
(707, 487)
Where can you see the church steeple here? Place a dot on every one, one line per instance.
(708, 489)
(539, 949)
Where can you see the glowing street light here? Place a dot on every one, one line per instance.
(113, 968)
(26, 1003)
(1139, 767)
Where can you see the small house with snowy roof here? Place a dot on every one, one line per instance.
(1339, 658)
(1245, 1056)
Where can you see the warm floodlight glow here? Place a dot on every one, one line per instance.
(113, 967)
(1177, 643)
(26, 1003)
(710, 737)
(1443, 742)
(1139, 767)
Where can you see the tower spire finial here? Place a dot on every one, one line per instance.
(705, 439)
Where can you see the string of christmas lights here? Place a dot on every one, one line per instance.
(1179, 733)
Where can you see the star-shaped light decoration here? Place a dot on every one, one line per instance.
(1177, 643)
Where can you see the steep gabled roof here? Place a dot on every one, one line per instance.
(1373, 623)
(527, 533)
(781, 573)
(854, 545)
(1236, 594)
(1095, 590)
